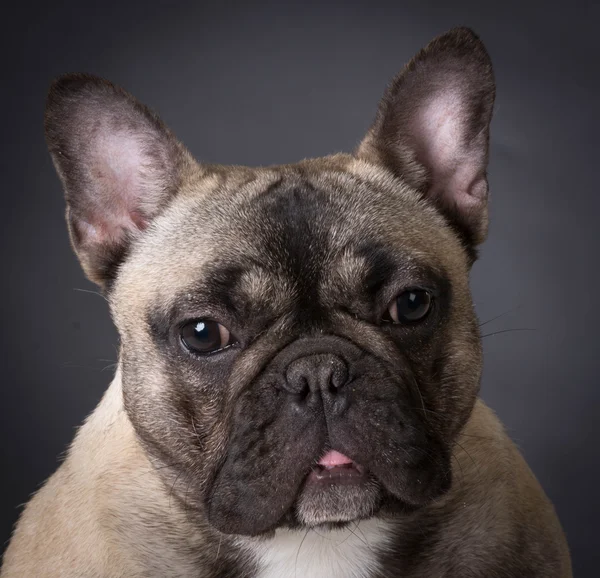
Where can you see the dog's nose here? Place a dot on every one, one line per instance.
(324, 373)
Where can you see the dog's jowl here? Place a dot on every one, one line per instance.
(297, 389)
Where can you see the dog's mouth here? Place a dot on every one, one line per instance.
(334, 468)
(336, 490)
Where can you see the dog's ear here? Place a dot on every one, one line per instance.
(119, 165)
(432, 129)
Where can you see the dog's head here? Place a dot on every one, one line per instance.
(299, 345)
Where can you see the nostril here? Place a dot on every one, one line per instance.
(296, 381)
(326, 373)
(338, 376)
(304, 388)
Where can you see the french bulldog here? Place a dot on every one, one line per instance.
(300, 360)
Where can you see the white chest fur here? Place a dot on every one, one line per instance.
(348, 553)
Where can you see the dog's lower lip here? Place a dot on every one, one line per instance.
(341, 474)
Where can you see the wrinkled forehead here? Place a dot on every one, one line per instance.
(281, 235)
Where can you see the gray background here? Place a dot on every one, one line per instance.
(270, 83)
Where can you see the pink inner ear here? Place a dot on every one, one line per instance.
(438, 126)
(116, 165)
(457, 167)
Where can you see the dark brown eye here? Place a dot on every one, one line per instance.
(204, 336)
(410, 306)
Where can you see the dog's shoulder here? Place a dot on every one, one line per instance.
(67, 510)
(493, 502)
(106, 513)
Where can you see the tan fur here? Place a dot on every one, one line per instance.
(84, 521)
(136, 494)
(107, 512)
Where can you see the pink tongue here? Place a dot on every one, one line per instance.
(333, 458)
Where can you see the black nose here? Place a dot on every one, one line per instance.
(323, 373)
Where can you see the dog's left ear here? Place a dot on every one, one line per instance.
(432, 129)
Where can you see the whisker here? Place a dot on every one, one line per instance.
(462, 472)
(363, 535)
(359, 538)
(416, 386)
(90, 291)
(507, 331)
(343, 541)
(470, 457)
(298, 553)
(322, 535)
(110, 366)
(437, 413)
(79, 366)
(501, 315)
(186, 506)
(71, 365)
(158, 468)
(464, 435)
(173, 486)
(219, 547)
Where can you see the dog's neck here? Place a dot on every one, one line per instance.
(352, 552)
(348, 553)
(115, 478)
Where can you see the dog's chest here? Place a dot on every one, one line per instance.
(348, 553)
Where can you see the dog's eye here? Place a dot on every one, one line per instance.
(410, 306)
(205, 336)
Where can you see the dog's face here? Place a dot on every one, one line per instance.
(299, 345)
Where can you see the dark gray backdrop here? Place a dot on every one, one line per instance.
(270, 83)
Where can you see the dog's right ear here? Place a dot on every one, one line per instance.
(119, 165)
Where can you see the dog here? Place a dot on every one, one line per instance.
(300, 360)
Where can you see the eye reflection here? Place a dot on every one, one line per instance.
(205, 336)
(410, 306)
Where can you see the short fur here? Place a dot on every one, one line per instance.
(196, 465)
